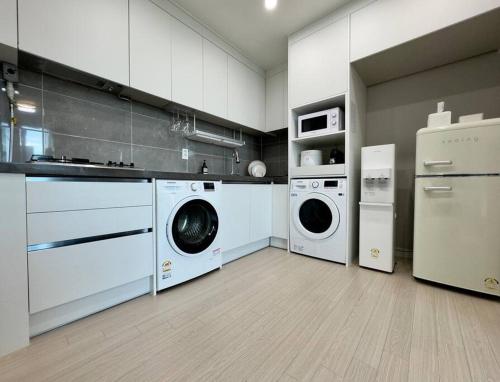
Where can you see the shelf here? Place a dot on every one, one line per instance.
(214, 139)
(323, 170)
(325, 139)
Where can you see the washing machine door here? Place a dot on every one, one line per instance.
(315, 216)
(192, 226)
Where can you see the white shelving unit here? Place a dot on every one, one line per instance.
(323, 142)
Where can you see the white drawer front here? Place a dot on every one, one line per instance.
(50, 227)
(60, 275)
(47, 196)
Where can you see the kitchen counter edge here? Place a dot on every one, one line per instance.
(48, 170)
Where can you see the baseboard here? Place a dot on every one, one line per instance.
(236, 253)
(60, 315)
(278, 242)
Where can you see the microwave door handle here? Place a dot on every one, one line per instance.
(437, 188)
(429, 163)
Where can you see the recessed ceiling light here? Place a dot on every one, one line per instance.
(270, 4)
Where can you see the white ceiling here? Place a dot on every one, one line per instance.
(258, 34)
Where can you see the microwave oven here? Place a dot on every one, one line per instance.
(321, 122)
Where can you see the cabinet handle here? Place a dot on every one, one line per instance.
(438, 188)
(437, 162)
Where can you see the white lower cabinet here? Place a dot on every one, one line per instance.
(246, 214)
(280, 211)
(14, 326)
(61, 275)
(235, 226)
(86, 239)
(260, 211)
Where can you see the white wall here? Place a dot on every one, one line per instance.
(397, 109)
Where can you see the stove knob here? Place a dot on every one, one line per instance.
(315, 184)
(194, 187)
(131, 164)
(121, 164)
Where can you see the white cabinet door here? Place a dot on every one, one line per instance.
(187, 66)
(8, 23)
(246, 95)
(275, 101)
(235, 216)
(214, 80)
(91, 36)
(318, 64)
(14, 325)
(280, 211)
(387, 23)
(260, 211)
(285, 99)
(150, 49)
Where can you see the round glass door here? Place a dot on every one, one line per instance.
(194, 226)
(316, 216)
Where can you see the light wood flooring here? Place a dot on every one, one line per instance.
(273, 316)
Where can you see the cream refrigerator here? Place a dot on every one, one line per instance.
(457, 206)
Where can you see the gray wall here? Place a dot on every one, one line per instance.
(275, 153)
(78, 121)
(398, 108)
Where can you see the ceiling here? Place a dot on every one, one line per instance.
(260, 35)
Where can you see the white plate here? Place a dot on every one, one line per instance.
(257, 169)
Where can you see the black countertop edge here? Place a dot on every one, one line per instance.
(47, 170)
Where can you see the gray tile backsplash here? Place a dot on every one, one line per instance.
(78, 121)
(275, 153)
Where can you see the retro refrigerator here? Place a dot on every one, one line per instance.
(457, 206)
(377, 210)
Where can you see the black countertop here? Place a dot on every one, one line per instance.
(31, 169)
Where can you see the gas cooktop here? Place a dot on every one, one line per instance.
(80, 162)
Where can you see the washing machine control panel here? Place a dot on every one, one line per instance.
(318, 184)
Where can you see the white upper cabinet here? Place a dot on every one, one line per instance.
(214, 79)
(246, 95)
(8, 23)
(318, 64)
(387, 23)
(187, 66)
(276, 101)
(91, 36)
(150, 49)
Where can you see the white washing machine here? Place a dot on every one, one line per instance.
(187, 230)
(318, 218)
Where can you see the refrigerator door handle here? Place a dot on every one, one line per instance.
(428, 163)
(437, 188)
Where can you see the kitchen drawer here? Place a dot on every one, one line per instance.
(52, 227)
(47, 196)
(60, 275)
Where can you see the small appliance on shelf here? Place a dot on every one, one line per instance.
(321, 122)
(377, 207)
(310, 158)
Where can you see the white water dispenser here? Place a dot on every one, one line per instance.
(377, 207)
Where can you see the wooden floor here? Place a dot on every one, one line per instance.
(277, 317)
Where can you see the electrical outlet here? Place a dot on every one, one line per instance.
(185, 154)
